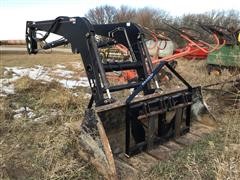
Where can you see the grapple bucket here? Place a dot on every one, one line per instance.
(147, 127)
(151, 120)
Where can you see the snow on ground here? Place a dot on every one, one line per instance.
(6, 89)
(24, 111)
(76, 65)
(67, 78)
(82, 82)
(63, 73)
(37, 72)
(60, 66)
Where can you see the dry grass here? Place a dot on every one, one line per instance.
(45, 148)
(218, 155)
(227, 164)
(195, 72)
(40, 96)
(45, 59)
(215, 157)
(48, 149)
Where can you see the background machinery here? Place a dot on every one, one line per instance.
(229, 54)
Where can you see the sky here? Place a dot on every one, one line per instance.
(15, 13)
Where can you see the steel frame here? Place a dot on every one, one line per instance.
(80, 33)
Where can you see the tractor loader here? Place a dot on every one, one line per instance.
(123, 134)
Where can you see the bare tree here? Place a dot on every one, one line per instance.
(231, 19)
(214, 17)
(125, 14)
(102, 15)
(150, 17)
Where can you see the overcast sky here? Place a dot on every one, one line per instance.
(15, 13)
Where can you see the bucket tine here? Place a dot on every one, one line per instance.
(200, 110)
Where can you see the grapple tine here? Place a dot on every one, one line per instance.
(200, 111)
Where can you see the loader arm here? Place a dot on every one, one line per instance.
(80, 34)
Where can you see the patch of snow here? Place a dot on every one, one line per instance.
(83, 82)
(75, 94)
(60, 66)
(41, 73)
(22, 109)
(76, 64)
(6, 85)
(31, 115)
(6, 89)
(41, 118)
(19, 110)
(9, 80)
(17, 116)
(85, 96)
(63, 73)
(38, 72)
(5, 73)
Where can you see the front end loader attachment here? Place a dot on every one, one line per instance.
(131, 133)
(154, 127)
(151, 120)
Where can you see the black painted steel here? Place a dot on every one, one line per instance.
(81, 34)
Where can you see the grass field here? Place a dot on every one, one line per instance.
(44, 147)
(47, 59)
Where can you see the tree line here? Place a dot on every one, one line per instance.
(153, 18)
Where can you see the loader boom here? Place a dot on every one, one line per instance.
(81, 35)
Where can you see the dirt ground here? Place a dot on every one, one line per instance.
(36, 141)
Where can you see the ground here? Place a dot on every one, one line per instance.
(42, 96)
